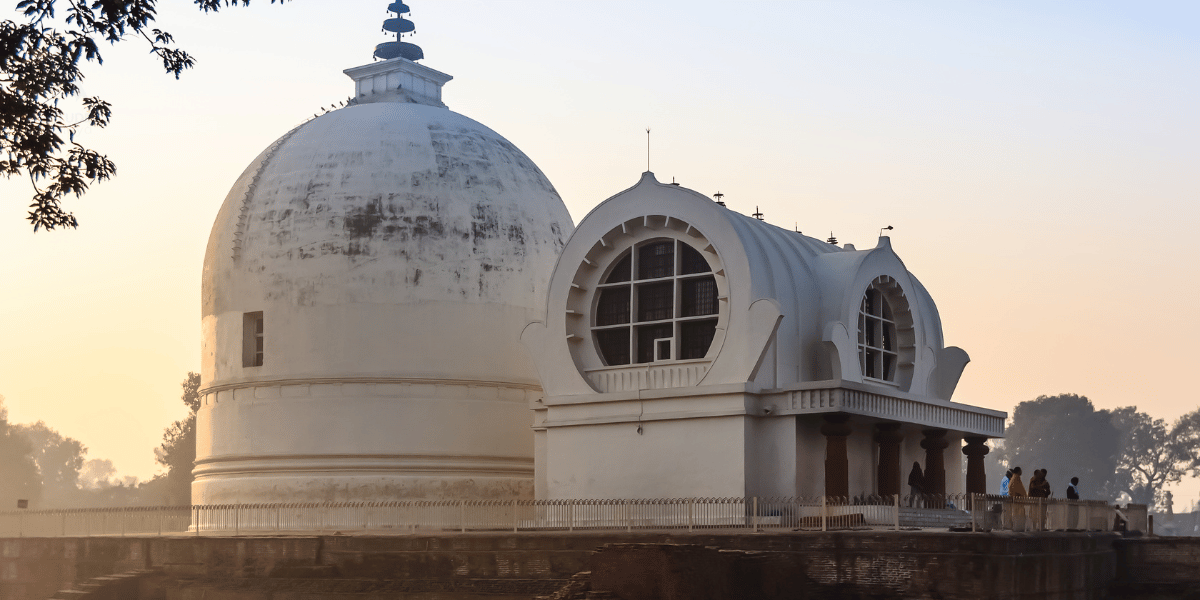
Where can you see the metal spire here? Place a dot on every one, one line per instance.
(399, 26)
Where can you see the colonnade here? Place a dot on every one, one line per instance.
(888, 436)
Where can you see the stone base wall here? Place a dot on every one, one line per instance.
(966, 566)
(973, 566)
(1152, 565)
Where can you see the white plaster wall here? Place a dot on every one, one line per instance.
(669, 459)
(771, 456)
(364, 442)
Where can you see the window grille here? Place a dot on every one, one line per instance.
(625, 299)
(614, 345)
(656, 260)
(656, 302)
(646, 335)
(613, 308)
(622, 271)
(699, 297)
(876, 337)
(696, 337)
(693, 261)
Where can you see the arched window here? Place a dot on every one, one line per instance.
(877, 351)
(658, 302)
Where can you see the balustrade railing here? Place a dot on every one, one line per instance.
(822, 513)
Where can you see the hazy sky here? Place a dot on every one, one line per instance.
(1037, 160)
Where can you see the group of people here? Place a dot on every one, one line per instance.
(1039, 486)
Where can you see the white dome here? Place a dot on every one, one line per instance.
(395, 251)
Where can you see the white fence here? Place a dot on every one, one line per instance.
(1024, 513)
(401, 517)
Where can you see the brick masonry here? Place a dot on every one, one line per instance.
(973, 566)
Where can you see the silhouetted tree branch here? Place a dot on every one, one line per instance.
(40, 66)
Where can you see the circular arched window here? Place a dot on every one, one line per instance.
(658, 301)
(885, 333)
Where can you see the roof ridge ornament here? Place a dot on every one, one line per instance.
(399, 26)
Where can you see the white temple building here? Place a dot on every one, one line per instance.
(393, 293)
(364, 290)
(691, 351)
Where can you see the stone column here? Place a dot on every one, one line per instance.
(935, 463)
(975, 450)
(888, 436)
(837, 467)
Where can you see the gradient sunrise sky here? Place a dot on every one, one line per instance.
(1038, 161)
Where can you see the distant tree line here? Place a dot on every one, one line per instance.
(1118, 455)
(50, 470)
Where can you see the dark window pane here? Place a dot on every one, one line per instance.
(646, 336)
(872, 359)
(887, 308)
(889, 366)
(889, 332)
(622, 271)
(258, 325)
(693, 261)
(614, 345)
(695, 338)
(656, 260)
(258, 345)
(656, 302)
(872, 332)
(869, 302)
(613, 308)
(699, 297)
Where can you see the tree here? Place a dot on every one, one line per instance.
(1146, 459)
(18, 473)
(41, 66)
(97, 474)
(1068, 437)
(178, 450)
(1185, 436)
(58, 461)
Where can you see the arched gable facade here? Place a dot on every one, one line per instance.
(688, 350)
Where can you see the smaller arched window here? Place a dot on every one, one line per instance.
(877, 352)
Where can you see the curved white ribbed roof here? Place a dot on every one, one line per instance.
(764, 273)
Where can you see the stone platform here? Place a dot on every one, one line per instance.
(633, 566)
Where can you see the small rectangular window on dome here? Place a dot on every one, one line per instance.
(252, 339)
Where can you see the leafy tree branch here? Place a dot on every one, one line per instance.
(41, 66)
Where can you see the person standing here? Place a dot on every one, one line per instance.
(1039, 488)
(916, 484)
(1073, 489)
(1004, 483)
(1072, 508)
(1016, 489)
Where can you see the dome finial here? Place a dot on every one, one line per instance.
(399, 26)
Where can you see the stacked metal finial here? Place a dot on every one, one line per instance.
(399, 26)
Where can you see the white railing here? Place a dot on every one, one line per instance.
(1023, 513)
(979, 512)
